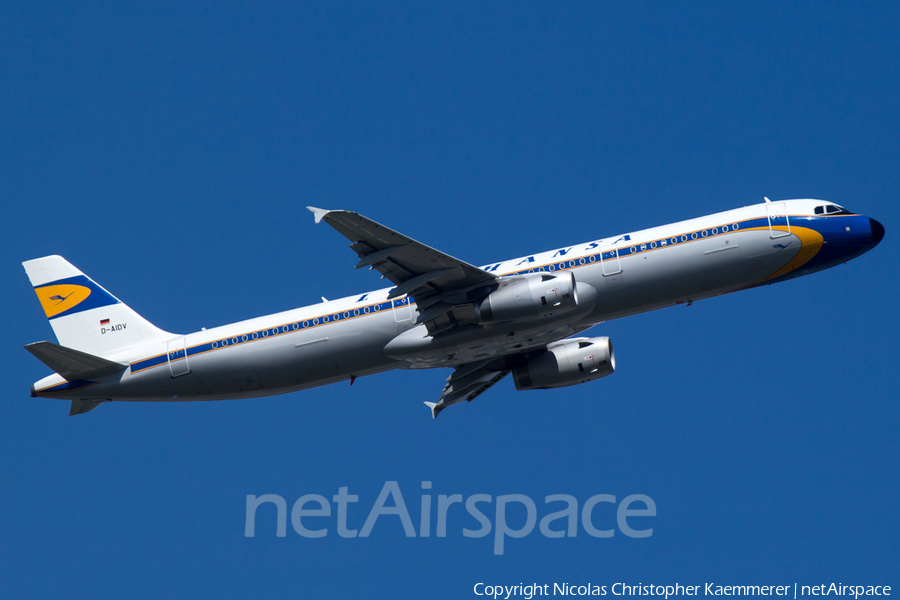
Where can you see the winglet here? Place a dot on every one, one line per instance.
(435, 409)
(318, 213)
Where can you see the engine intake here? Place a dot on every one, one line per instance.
(534, 295)
(566, 363)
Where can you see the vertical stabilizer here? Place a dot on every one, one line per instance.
(83, 315)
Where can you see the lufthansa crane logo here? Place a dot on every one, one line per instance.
(57, 299)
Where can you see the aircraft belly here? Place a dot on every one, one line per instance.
(349, 349)
(294, 361)
(314, 358)
(701, 269)
(421, 351)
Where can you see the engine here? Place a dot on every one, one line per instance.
(566, 363)
(534, 295)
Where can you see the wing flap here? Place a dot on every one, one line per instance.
(420, 281)
(377, 256)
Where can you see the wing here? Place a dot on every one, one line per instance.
(467, 382)
(444, 287)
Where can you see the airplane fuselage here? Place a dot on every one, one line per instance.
(369, 333)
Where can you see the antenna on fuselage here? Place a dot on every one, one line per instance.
(767, 200)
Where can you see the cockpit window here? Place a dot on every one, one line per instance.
(831, 209)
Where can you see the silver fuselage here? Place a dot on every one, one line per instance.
(341, 339)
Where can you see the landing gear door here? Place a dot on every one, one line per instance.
(779, 224)
(177, 354)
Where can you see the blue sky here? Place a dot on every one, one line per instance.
(168, 150)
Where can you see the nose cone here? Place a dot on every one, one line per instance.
(877, 230)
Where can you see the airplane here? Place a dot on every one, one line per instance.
(520, 316)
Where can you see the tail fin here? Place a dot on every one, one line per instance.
(83, 315)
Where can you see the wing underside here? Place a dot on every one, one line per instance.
(444, 287)
(466, 383)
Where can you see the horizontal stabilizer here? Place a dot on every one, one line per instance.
(79, 407)
(71, 364)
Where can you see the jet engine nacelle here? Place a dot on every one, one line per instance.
(534, 295)
(566, 363)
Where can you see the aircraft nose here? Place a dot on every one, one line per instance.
(877, 230)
